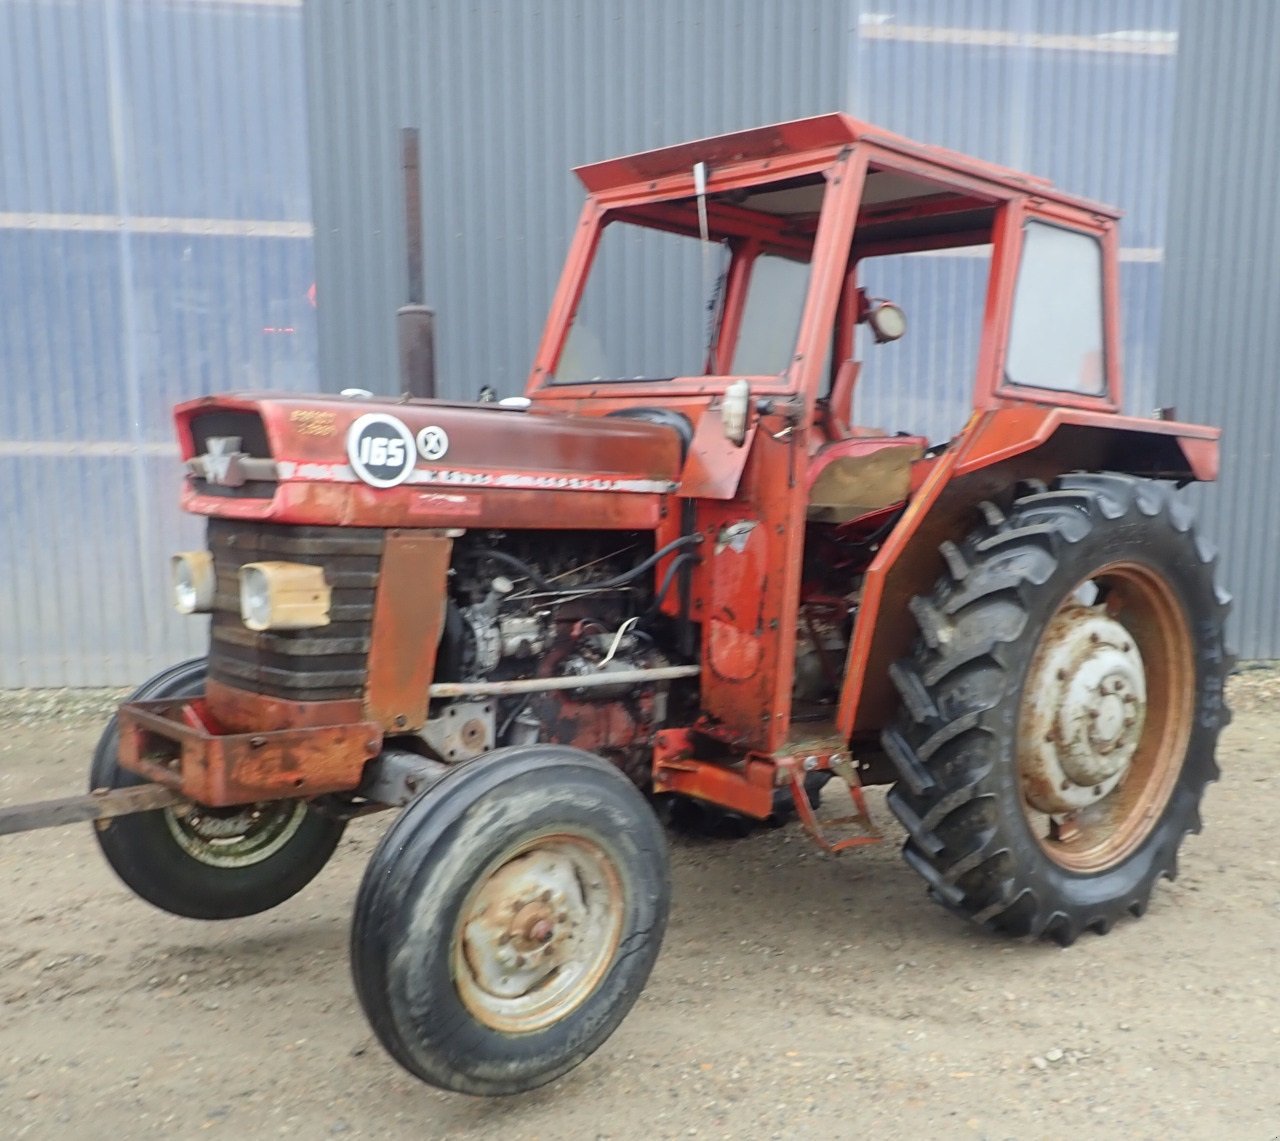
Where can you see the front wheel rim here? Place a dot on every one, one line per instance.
(236, 837)
(1104, 725)
(538, 932)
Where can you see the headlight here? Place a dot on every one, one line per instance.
(283, 596)
(193, 581)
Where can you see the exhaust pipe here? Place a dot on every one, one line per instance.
(415, 321)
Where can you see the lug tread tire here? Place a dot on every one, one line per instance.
(957, 794)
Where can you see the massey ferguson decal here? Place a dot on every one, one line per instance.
(433, 442)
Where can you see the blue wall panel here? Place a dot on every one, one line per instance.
(155, 244)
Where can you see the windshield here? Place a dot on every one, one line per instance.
(661, 302)
(651, 307)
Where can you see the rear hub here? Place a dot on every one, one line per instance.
(1084, 708)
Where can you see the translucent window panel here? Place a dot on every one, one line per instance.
(648, 308)
(771, 317)
(1055, 340)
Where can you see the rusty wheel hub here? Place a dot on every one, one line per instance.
(1095, 767)
(538, 933)
(1083, 711)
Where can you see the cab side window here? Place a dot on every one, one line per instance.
(1056, 338)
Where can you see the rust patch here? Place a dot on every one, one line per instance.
(239, 711)
(171, 743)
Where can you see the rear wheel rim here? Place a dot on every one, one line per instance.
(1105, 717)
(538, 932)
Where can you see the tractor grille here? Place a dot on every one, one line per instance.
(326, 663)
(239, 424)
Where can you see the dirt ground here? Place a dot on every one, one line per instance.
(797, 995)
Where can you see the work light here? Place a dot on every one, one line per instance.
(283, 596)
(193, 581)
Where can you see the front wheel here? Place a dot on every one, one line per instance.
(509, 919)
(208, 863)
(1061, 709)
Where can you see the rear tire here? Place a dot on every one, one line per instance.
(208, 863)
(509, 919)
(1061, 708)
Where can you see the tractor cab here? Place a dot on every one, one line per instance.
(831, 280)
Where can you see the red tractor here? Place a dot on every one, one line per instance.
(678, 573)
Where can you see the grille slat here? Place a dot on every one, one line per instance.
(327, 663)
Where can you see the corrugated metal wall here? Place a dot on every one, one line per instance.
(155, 236)
(510, 96)
(1220, 348)
(155, 244)
(1081, 93)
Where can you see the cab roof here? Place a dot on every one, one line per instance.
(818, 134)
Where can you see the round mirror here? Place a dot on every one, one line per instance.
(887, 321)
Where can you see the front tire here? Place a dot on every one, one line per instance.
(509, 919)
(1061, 709)
(208, 863)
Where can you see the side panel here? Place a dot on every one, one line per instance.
(747, 605)
(408, 619)
(749, 582)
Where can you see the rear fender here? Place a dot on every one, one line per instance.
(1077, 439)
(995, 451)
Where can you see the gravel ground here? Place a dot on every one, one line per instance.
(797, 995)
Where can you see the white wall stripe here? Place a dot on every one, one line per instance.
(140, 224)
(1112, 43)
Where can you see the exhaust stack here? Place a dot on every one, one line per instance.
(415, 321)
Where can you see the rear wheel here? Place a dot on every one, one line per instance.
(201, 862)
(509, 919)
(1062, 707)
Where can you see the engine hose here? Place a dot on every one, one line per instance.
(513, 563)
(541, 584)
(668, 578)
(639, 569)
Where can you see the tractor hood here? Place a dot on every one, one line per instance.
(421, 463)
